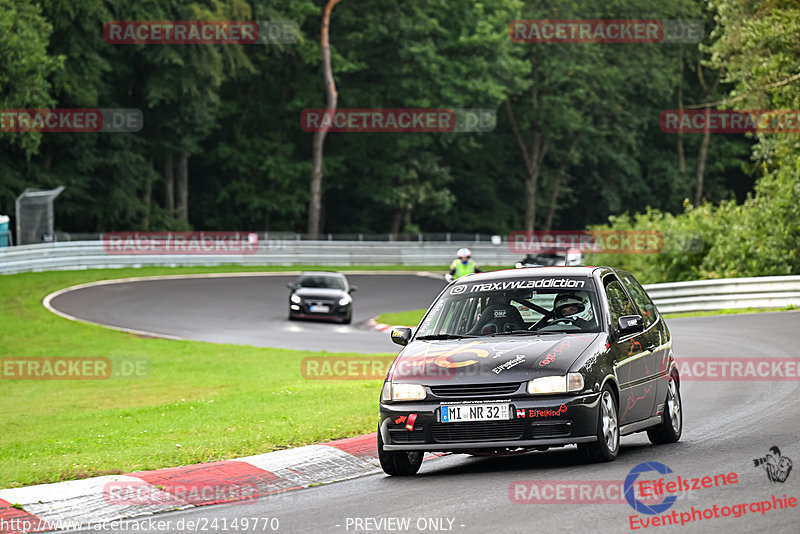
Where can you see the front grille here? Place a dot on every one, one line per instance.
(551, 429)
(475, 390)
(403, 436)
(478, 431)
(317, 302)
(331, 304)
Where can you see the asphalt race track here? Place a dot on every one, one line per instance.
(248, 310)
(727, 424)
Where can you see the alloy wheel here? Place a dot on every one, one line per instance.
(609, 418)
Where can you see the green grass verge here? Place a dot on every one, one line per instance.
(406, 318)
(202, 402)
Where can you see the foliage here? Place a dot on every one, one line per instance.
(756, 43)
(231, 112)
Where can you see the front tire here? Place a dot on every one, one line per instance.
(671, 426)
(398, 463)
(606, 448)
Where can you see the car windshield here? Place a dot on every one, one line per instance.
(319, 281)
(520, 306)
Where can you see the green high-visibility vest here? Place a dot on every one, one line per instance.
(461, 269)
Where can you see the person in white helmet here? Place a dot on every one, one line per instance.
(463, 265)
(567, 306)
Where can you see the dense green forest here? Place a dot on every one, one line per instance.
(577, 138)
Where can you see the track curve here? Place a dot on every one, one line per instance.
(248, 309)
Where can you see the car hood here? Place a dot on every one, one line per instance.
(321, 292)
(488, 360)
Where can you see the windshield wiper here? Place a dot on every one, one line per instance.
(445, 336)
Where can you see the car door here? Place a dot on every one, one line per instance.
(656, 335)
(629, 352)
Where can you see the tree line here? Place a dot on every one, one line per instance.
(577, 138)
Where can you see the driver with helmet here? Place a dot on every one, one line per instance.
(568, 306)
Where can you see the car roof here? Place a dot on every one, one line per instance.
(322, 273)
(528, 272)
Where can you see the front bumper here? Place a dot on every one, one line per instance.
(336, 312)
(536, 422)
(338, 316)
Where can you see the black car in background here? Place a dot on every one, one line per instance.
(321, 295)
(568, 257)
(522, 359)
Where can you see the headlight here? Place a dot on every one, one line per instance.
(345, 300)
(402, 392)
(296, 299)
(556, 384)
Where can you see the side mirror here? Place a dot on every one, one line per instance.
(292, 286)
(630, 323)
(352, 289)
(401, 335)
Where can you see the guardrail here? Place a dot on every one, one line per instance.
(73, 255)
(435, 237)
(726, 293)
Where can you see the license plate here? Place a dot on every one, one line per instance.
(319, 309)
(475, 412)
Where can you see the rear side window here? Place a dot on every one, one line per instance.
(643, 302)
(618, 301)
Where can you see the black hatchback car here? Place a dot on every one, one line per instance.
(321, 295)
(531, 359)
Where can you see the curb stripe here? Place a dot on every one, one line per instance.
(244, 480)
(80, 501)
(361, 446)
(313, 464)
(13, 517)
(214, 483)
(381, 327)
